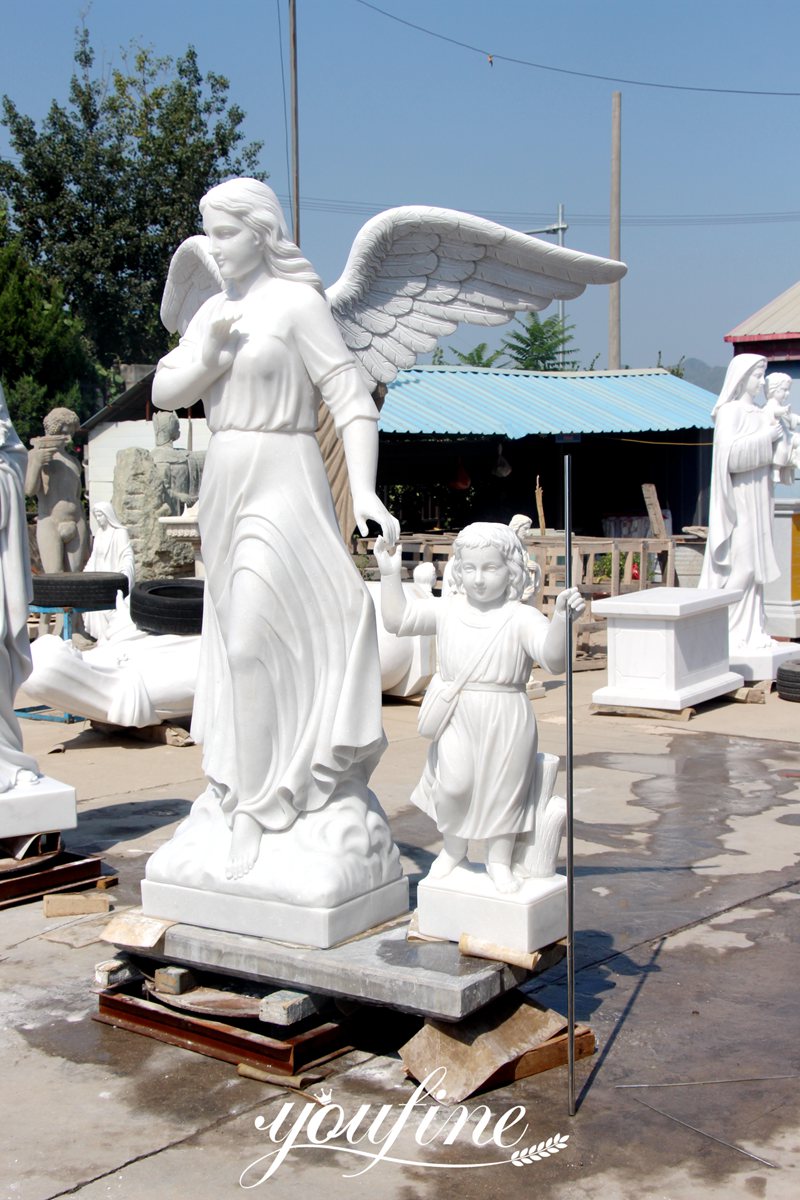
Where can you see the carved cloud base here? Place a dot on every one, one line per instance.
(332, 874)
(466, 901)
(47, 806)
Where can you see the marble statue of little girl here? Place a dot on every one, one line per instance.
(480, 779)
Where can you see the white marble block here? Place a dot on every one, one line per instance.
(466, 901)
(667, 647)
(46, 806)
(782, 595)
(763, 663)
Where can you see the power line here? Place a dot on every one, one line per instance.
(518, 217)
(492, 58)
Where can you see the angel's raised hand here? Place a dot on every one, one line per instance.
(370, 508)
(216, 353)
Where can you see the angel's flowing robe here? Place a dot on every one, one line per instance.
(312, 728)
(740, 517)
(15, 596)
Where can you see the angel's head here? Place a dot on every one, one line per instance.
(255, 207)
(777, 387)
(489, 564)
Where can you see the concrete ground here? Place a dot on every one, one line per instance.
(687, 905)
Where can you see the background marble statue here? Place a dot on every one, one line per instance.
(111, 551)
(55, 477)
(179, 470)
(777, 387)
(15, 595)
(748, 440)
(480, 781)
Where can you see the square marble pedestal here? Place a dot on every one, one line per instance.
(47, 806)
(466, 901)
(320, 927)
(667, 647)
(763, 664)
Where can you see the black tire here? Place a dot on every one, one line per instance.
(789, 694)
(90, 590)
(788, 674)
(168, 605)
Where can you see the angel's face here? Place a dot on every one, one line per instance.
(235, 248)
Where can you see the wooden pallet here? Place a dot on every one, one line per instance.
(230, 1041)
(28, 879)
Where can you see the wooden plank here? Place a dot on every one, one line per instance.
(657, 525)
(64, 904)
(553, 1053)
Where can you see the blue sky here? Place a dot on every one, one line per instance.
(391, 115)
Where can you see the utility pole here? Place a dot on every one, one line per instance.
(295, 151)
(614, 289)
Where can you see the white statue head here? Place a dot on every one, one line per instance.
(777, 387)
(105, 515)
(256, 206)
(8, 435)
(521, 524)
(745, 376)
(487, 535)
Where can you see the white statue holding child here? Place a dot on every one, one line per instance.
(483, 779)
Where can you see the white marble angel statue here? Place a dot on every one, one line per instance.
(480, 781)
(748, 440)
(288, 695)
(15, 595)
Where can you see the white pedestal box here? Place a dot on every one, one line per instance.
(47, 806)
(667, 647)
(763, 664)
(782, 596)
(466, 901)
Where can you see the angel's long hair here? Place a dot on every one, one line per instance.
(483, 535)
(257, 207)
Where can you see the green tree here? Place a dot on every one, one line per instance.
(536, 345)
(44, 355)
(477, 356)
(103, 193)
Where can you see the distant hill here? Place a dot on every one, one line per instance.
(702, 375)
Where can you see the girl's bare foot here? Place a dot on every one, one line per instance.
(245, 844)
(502, 877)
(444, 863)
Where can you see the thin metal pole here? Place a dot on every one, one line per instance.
(614, 337)
(561, 226)
(295, 134)
(569, 765)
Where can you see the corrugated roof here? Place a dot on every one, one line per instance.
(778, 319)
(513, 404)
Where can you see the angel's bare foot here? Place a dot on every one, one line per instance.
(445, 862)
(26, 777)
(502, 877)
(245, 844)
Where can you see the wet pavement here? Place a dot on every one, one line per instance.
(687, 907)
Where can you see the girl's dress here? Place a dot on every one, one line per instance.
(479, 780)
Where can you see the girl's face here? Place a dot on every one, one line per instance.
(235, 248)
(485, 576)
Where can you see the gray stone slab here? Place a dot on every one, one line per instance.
(430, 978)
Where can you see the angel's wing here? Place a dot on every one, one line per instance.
(193, 277)
(414, 273)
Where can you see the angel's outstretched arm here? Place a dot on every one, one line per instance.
(360, 437)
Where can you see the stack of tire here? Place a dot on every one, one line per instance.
(92, 591)
(168, 606)
(788, 680)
